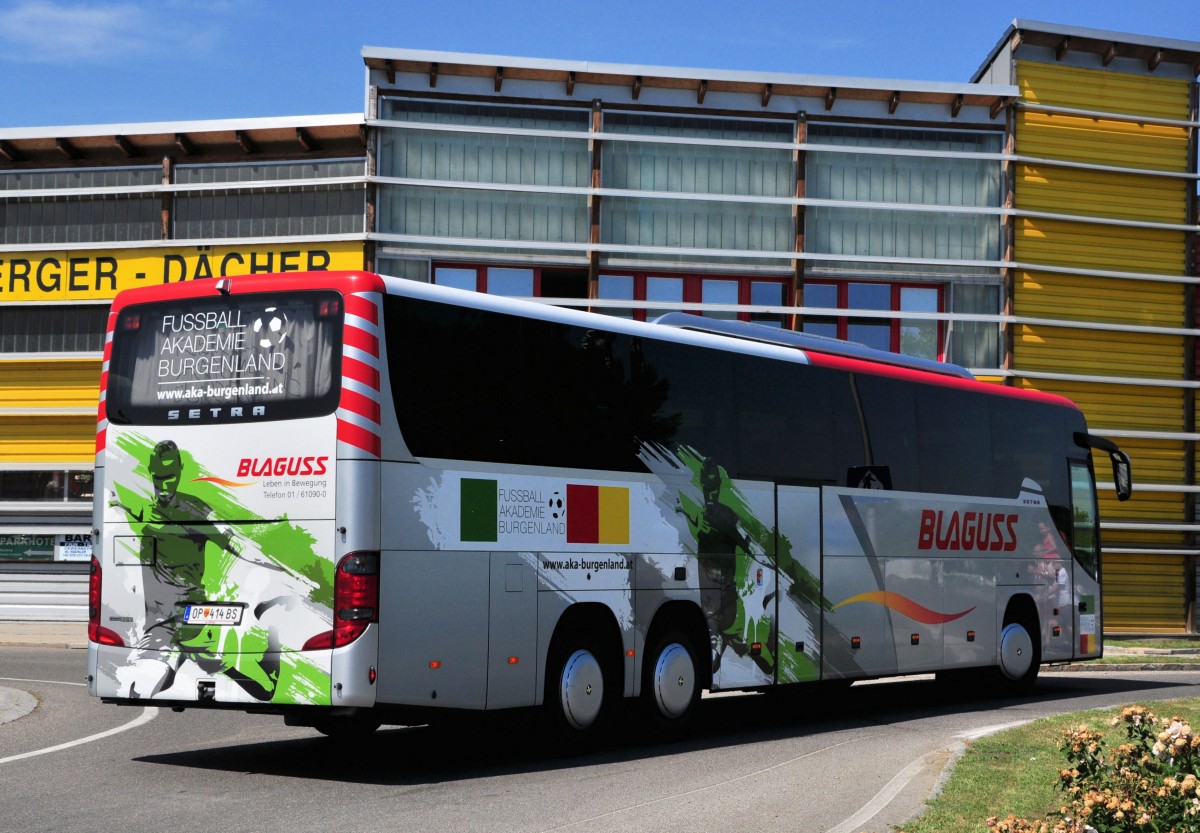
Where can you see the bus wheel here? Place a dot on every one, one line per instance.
(671, 682)
(1020, 657)
(575, 690)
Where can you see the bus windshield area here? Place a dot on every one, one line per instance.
(226, 359)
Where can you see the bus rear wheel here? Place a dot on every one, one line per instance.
(671, 682)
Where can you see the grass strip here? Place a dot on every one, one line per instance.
(1016, 771)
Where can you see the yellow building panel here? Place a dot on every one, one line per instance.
(1144, 507)
(48, 439)
(1131, 407)
(1088, 246)
(1087, 298)
(1118, 144)
(1144, 593)
(1093, 353)
(1102, 90)
(1154, 461)
(1091, 193)
(50, 383)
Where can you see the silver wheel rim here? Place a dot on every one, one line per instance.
(1016, 651)
(674, 681)
(581, 689)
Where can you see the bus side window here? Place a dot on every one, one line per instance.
(1083, 512)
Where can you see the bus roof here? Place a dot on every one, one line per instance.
(735, 336)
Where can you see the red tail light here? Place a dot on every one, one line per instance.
(96, 633)
(355, 601)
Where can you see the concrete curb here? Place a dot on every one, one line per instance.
(43, 635)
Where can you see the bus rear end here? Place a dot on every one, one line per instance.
(227, 573)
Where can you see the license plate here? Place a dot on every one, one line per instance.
(214, 614)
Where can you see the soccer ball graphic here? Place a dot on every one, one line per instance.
(557, 510)
(271, 328)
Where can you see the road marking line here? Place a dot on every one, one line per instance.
(148, 714)
(892, 788)
(881, 799)
(45, 682)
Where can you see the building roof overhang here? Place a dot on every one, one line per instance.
(1108, 45)
(763, 85)
(210, 140)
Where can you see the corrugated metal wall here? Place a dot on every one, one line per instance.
(60, 395)
(1143, 592)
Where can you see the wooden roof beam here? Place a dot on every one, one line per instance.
(499, 78)
(997, 105)
(893, 102)
(10, 153)
(125, 146)
(185, 144)
(244, 141)
(306, 140)
(637, 87)
(434, 69)
(64, 147)
(1110, 53)
(766, 94)
(830, 97)
(701, 91)
(1155, 60)
(956, 106)
(1060, 51)
(390, 68)
(571, 82)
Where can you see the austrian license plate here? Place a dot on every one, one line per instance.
(213, 614)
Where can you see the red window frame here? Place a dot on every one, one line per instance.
(481, 274)
(693, 288)
(843, 303)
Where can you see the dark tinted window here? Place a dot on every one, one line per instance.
(891, 412)
(226, 357)
(953, 441)
(476, 385)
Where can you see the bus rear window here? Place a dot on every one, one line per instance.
(226, 359)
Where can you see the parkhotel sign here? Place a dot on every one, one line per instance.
(98, 275)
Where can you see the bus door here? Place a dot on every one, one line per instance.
(1084, 592)
(736, 541)
(800, 603)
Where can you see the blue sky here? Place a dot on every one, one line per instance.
(72, 62)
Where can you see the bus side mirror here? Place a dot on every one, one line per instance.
(1122, 474)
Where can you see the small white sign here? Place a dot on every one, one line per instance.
(73, 548)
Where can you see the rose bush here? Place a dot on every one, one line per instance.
(1148, 783)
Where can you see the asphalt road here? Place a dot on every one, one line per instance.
(855, 760)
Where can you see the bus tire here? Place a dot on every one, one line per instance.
(671, 682)
(1020, 656)
(576, 691)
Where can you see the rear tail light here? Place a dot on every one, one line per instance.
(355, 601)
(96, 633)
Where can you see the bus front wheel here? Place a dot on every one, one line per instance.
(1020, 657)
(671, 682)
